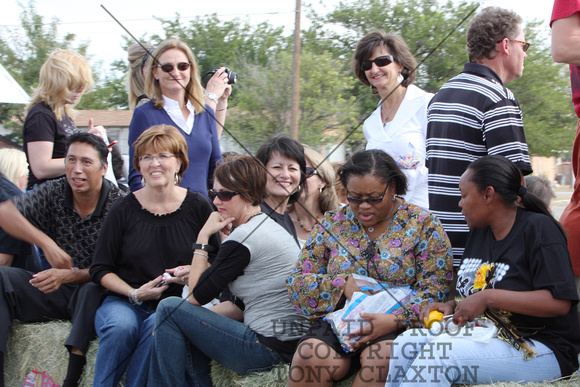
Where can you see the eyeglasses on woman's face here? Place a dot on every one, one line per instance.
(224, 196)
(370, 201)
(380, 61)
(161, 157)
(168, 67)
(310, 172)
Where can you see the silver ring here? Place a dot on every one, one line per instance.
(183, 278)
(225, 80)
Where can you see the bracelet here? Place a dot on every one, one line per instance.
(221, 110)
(202, 254)
(133, 297)
(203, 246)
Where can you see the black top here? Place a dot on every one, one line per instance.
(283, 220)
(50, 208)
(533, 256)
(24, 254)
(138, 246)
(41, 125)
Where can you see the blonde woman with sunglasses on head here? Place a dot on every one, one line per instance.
(398, 126)
(172, 81)
(317, 197)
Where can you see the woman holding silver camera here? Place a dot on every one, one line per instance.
(173, 83)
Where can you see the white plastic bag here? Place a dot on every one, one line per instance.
(347, 320)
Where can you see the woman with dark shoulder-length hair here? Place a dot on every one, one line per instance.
(378, 235)
(146, 234)
(398, 126)
(286, 171)
(516, 271)
(254, 260)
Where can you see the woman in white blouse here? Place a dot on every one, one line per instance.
(398, 126)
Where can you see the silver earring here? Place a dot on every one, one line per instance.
(246, 210)
(142, 181)
(176, 178)
(394, 198)
(400, 78)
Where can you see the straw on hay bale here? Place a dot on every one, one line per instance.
(40, 346)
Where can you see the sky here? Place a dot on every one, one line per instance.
(90, 22)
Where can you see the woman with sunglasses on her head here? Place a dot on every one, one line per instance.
(398, 126)
(178, 99)
(146, 234)
(516, 266)
(318, 195)
(254, 260)
(378, 235)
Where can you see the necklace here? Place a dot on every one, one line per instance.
(395, 207)
(253, 216)
(302, 225)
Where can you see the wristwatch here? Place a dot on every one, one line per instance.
(202, 246)
(213, 97)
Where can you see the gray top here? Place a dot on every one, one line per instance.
(262, 286)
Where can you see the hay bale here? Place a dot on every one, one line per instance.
(276, 377)
(40, 346)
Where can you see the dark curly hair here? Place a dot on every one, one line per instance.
(489, 27)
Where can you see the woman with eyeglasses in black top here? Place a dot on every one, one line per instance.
(378, 235)
(172, 81)
(398, 126)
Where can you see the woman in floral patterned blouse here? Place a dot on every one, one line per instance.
(378, 235)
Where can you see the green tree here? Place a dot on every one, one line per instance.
(327, 107)
(24, 53)
(544, 94)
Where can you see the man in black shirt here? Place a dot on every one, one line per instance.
(63, 218)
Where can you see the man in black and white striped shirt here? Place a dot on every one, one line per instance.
(474, 115)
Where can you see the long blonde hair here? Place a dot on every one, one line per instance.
(328, 199)
(138, 55)
(193, 90)
(64, 72)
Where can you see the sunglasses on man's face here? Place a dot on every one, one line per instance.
(224, 196)
(168, 67)
(380, 61)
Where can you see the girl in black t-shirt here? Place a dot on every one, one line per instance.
(515, 270)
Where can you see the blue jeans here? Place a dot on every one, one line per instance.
(417, 359)
(188, 337)
(124, 332)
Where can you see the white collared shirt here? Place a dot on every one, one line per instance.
(172, 108)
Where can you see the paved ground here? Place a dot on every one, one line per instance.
(563, 194)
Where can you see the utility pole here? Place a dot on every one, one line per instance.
(295, 117)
